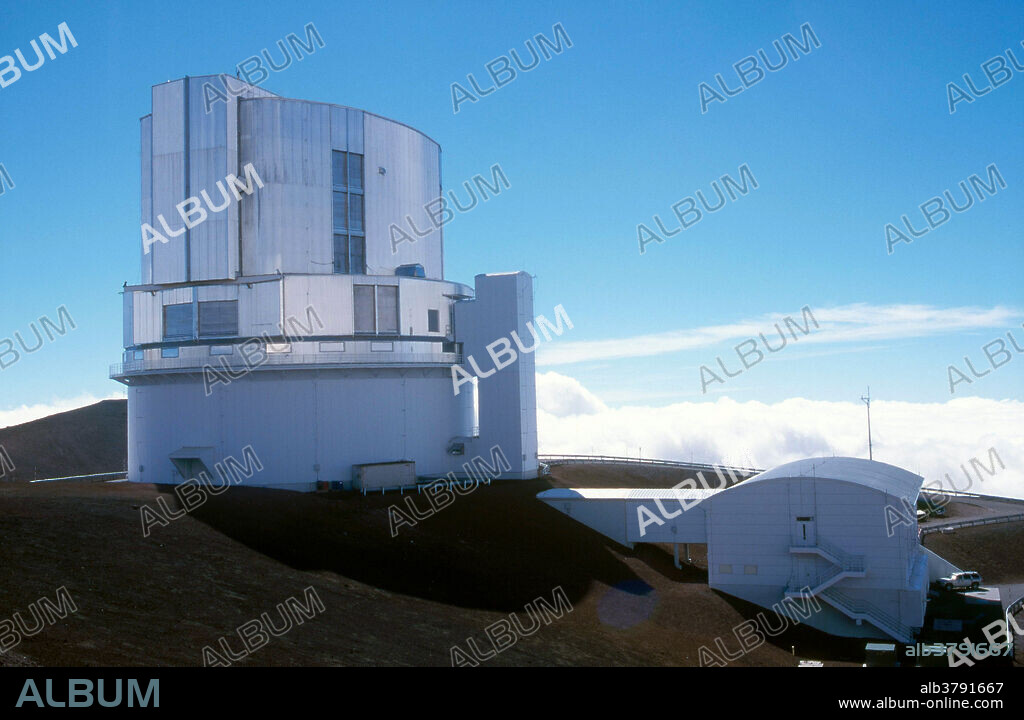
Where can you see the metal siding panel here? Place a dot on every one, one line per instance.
(168, 179)
(146, 130)
(355, 130)
(411, 182)
(339, 128)
(208, 165)
(259, 309)
(287, 224)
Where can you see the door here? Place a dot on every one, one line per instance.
(805, 532)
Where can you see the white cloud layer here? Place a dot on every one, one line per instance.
(843, 324)
(931, 439)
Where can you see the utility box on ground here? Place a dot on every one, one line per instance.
(384, 476)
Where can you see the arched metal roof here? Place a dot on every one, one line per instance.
(868, 473)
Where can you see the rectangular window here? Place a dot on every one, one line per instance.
(750, 569)
(218, 318)
(355, 171)
(382, 347)
(332, 347)
(433, 321)
(725, 569)
(169, 352)
(387, 309)
(355, 213)
(365, 309)
(277, 348)
(338, 172)
(349, 213)
(178, 321)
(221, 349)
(357, 255)
(341, 264)
(340, 211)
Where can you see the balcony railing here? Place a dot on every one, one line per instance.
(238, 364)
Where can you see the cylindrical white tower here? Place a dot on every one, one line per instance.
(275, 313)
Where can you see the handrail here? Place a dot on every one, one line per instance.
(939, 527)
(117, 474)
(239, 364)
(876, 615)
(620, 460)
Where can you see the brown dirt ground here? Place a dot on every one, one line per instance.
(389, 601)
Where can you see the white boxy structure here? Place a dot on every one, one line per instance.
(836, 529)
(282, 318)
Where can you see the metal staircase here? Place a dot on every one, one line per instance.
(863, 610)
(845, 565)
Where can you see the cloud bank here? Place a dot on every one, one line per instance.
(931, 439)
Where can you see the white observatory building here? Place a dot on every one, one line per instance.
(281, 317)
(821, 527)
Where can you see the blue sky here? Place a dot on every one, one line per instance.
(594, 141)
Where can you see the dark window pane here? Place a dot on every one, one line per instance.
(364, 309)
(355, 212)
(178, 321)
(218, 318)
(387, 309)
(355, 171)
(341, 210)
(341, 253)
(338, 172)
(358, 255)
(433, 321)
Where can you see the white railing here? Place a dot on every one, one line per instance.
(619, 460)
(939, 527)
(855, 607)
(236, 363)
(92, 477)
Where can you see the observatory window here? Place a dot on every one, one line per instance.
(218, 318)
(387, 309)
(338, 172)
(221, 349)
(178, 321)
(365, 309)
(349, 213)
(433, 321)
(725, 569)
(340, 211)
(357, 254)
(750, 569)
(355, 171)
(169, 352)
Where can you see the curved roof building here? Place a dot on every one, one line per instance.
(277, 318)
(836, 537)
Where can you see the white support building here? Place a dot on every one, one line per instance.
(828, 528)
(284, 320)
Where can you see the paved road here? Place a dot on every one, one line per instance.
(1010, 593)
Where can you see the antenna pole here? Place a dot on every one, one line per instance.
(867, 401)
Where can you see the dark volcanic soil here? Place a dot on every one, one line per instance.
(92, 439)
(402, 600)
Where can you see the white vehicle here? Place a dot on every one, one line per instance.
(961, 581)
